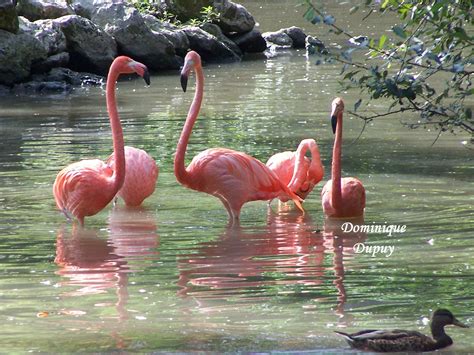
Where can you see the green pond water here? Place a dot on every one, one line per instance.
(172, 277)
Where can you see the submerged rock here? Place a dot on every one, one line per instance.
(297, 36)
(278, 39)
(314, 46)
(250, 42)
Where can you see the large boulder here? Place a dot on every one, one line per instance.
(250, 42)
(217, 32)
(17, 55)
(187, 9)
(43, 9)
(209, 46)
(8, 16)
(90, 48)
(234, 18)
(47, 32)
(176, 36)
(134, 38)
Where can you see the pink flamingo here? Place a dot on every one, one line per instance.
(296, 170)
(84, 188)
(233, 177)
(140, 177)
(341, 197)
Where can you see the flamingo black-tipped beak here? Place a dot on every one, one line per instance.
(333, 123)
(459, 324)
(184, 81)
(146, 77)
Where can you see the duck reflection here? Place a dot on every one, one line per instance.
(289, 250)
(93, 265)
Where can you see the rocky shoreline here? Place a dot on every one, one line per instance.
(48, 47)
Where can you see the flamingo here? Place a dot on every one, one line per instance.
(84, 188)
(341, 197)
(296, 170)
(140, 177)
(233, 177)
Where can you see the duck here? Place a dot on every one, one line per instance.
(406, 340)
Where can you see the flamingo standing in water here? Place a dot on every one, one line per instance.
(140, 177)
(341, 197)
(86, 187)
(233, 177)
(296, 170)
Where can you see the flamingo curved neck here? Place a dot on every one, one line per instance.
(180, 171)
(117, 133)
(336, 198)
(299, 173)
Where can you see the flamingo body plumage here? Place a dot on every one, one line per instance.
(296, 170)
(233, 177)
(140, 177)
(341, 197)
(84, 188)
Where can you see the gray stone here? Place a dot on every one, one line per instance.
(90, 48)
(208, 46)
(54, 61)
(297, 36)
(250, 42)
(234, 18)
(43, 9)
(47, 32)
(217, 32)
(17, 54)
(8, 16)
(42, 88)
(313, 46)
(278, 38)
(134, 38)
(187, 9)
(176, 36)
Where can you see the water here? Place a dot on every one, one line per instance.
(171, 276)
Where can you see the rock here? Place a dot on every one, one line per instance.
(177, 37)
(217, 32)
(54, 61)
(72, 77)
(134, 38)
(43, 9)
(17, 54)
(250, 42)
(90, 48)
(234, 18)
(279, 39)
(314, 45)
(4, 90)
(8, 16)
(297, 36)
(208, 46)
(47, 32)
(42, 87)
(187, 9)
(84, 8)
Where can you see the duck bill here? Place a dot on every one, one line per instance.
(459, 324)
(334, 123)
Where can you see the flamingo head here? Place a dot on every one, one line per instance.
(191, 61)
(127, 65)
(337, 108)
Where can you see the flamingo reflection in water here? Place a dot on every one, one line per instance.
(241, 259)
(91, 265)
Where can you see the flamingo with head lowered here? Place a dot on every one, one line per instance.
(341, 197)
(84, 188)
(297, 171)
(233, 177)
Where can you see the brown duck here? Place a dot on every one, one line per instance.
(405, 340)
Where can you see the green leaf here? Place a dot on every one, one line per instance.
(309, 14)
(399, 31)
(382, 40)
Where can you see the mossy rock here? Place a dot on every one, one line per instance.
(187, 9)
(8, 16)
